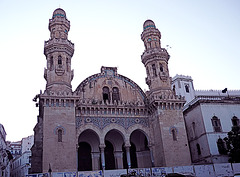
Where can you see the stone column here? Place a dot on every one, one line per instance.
(128, 156)
(95, 160)
(102, 146)
(77, 146)
(144, 159)
(151, 155)
(118, 159)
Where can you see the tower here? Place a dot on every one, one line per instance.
(58, 51)
(155, 58)
(54, 134)
(167, 122)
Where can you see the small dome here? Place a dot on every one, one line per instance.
(148, 24)
(59, 12)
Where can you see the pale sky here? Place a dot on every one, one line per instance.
(204, 36)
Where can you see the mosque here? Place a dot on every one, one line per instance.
(108, 121)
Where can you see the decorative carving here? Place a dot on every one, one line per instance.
(59, 70)
(78, 122)
(102, 122)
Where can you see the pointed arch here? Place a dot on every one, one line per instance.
(60, 60)
(139, 150)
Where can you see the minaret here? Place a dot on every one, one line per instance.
(155, 58)
(58, 51)
(170, 145)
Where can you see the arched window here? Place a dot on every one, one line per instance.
(154, 70)
(174, 134)
(106, 95)
(68, 64)
(216, 124)
(59, 133)
(59, 59)
(235, 121)
(198, 149)
(174, 89)
(221, 146)
(115, 94)
(147, 71)
(51, 63)
(187, 88)
(194, 129)
(161, 67)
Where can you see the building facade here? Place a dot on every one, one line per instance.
(5, 155)
(21, 164)
(108, 122)
(15, 148)
(209, 116)
(27, 143)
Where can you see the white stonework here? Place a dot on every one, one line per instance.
(108, 122)
(27, 143)
(15, 148)
(209, 115)
(21, 163)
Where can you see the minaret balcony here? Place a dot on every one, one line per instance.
(55, 21)
(155, 53)
(58, 41)
(58, 45)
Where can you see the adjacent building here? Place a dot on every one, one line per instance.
(5, 155)
(15, 148)
(108, 121)
(27, 143)
(21, 164)
(209, 116)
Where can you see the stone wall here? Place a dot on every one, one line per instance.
(211, 170)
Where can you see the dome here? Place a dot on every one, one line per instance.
(59, 12)
(148, 24)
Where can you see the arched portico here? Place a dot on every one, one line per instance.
(88, 151)
(143, 153)
(113, 150)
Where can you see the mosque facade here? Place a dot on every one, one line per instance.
(108, 121)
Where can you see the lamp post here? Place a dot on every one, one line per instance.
(50, 171)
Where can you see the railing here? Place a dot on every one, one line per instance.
(58, 41)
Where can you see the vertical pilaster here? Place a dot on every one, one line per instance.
(118, 159)
(102, 147)
(95, 160)
(151, 155)
(128, 156)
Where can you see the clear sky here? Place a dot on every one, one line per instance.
(204, 37)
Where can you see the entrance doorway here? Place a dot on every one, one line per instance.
(109, 156)
(84, 157)
(133, 157)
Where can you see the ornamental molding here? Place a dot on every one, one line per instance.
(102, 122)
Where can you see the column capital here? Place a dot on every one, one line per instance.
(127, 145)
(150, 146)
(102, 146)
